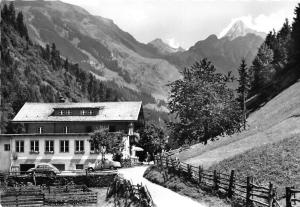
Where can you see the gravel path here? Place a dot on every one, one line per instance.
(161, 196)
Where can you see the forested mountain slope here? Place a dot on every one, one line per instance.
(33, 73)
(99, 45)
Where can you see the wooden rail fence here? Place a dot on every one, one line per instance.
(247, 190)
(24, 197)
(40, 195)
(292, 197)
(122, 188)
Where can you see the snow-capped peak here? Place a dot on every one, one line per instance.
(238, 29)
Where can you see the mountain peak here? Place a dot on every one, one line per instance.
(240, 29)
(163, 47)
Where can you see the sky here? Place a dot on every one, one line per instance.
(184, 22)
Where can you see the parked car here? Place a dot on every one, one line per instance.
(44, 168)
(103, 164)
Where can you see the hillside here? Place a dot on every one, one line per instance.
(267, 149)
(277, 163)
(100, 46)
(275, 121)
(32, 73)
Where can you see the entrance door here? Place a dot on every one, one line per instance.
(25, 167)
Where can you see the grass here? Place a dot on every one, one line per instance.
(184, 187)
(278, 163)
(274, 122)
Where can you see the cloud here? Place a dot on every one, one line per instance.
(262, 22)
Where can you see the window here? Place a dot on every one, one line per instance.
(34, 146)
(66, 129)
(92, 146)
(79, 166)
(49, 146)
(90, 112)
(64, 146)
(61, 112)
(82, 112)
(69, 112)
(19, 146)
(40, 130)
(79, 146)
(93, 150)
(6, 147)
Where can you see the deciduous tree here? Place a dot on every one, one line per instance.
(152, 138)
(107, 142)
(204, 105)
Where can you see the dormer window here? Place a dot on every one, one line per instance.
(69, 112)
(61, 112)
(40, 130)
(82, 112)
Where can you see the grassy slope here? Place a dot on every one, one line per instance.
(184, 187)
(275, 121)
(278, 163)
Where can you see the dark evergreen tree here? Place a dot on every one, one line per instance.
(66, 64)
(4, 13)
(243, 88)
(47, 52)
(12, 13)
(261, 71)
(284, 43)
(295, 35)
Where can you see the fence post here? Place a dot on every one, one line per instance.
(188, 171)
(231, 184)
(200, 174)
(271, 195)
(288, 195)
(216, 187)
(248, 193)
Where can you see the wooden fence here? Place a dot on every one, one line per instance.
(292, 197)
(30, 196)
(247, 190)
(40, 195)
(122, 188)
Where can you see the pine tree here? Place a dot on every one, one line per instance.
(296, 36)
(47, 52)
(261, 70)
(20, 24)
(11, 13)
(284, 42)
(243, 88)
(4, 13)
(66, 64)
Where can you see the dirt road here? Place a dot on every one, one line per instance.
(162, 197)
